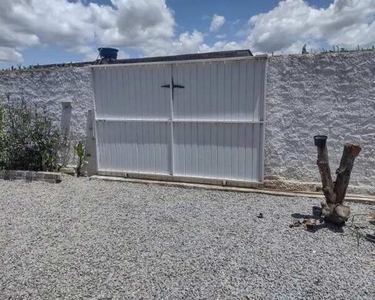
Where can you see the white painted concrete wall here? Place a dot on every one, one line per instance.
(51, 87)
(331, 94)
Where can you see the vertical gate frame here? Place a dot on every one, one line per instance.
(263, 120)
(171, 144)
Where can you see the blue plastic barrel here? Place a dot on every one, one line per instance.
(108, 53)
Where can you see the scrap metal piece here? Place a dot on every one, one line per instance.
(309, 223)
(370, 237)
(360, 226)
(296, 223)
(317, 212)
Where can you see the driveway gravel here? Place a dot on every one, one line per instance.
(85, 239)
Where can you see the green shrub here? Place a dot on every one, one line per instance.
(80, 150)
(29, 137)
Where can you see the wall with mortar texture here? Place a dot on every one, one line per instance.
(51, 87)
(331, 94)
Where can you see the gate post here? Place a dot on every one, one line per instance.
(91, 156)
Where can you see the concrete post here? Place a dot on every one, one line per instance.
(66, 118)
(91, 156)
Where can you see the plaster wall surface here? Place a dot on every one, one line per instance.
(51, 87)
(331, 94)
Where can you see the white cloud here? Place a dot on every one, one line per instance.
(220, 46)
(82, 26)
(217, 22)
(138, 22)
(236, 22)
(122, 55)
(221, 36)
(293, 23)
(186, 43)
(149, 26)
(70, 25)
(10, 55)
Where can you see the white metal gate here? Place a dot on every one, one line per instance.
(182, 120)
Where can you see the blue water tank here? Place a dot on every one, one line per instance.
(108, 53)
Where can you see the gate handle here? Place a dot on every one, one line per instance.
(174, 86)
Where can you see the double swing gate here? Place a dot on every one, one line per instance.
(199, 121)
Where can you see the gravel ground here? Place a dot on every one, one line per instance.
(86, 239)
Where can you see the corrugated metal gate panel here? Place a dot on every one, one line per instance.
(133, 118)
(218, 130)
(211, 128)
(221, 91)
(132, 92)
(218, 150)
(139, 147)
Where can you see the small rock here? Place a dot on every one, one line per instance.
(296, 223)
(317, 212)
(309, 223)
(68, 171)
(370, 237)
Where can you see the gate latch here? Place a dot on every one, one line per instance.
(174, 86)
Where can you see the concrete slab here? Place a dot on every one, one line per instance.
(366, 199)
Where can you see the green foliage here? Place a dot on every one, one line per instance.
(2, 133)
(65, 147)
(29, 138)
(80, 150)
(342, 49)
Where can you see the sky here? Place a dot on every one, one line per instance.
(56, 31)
